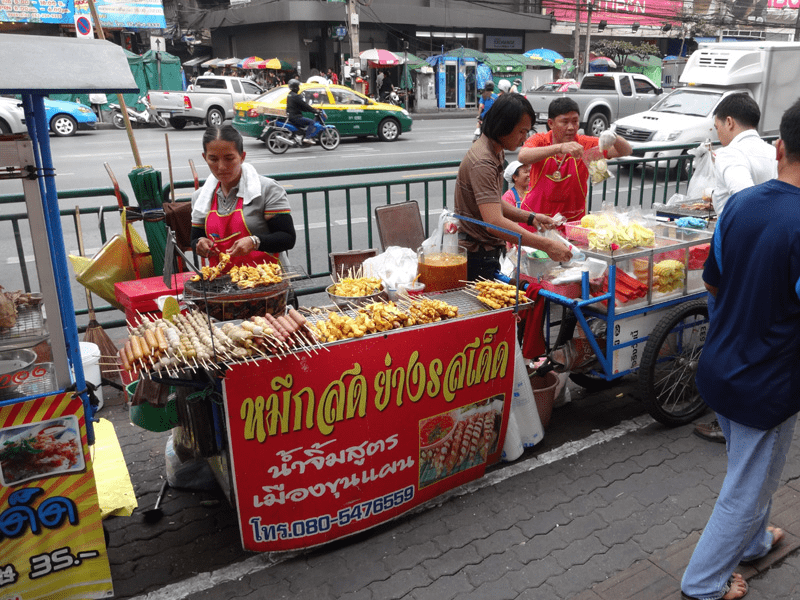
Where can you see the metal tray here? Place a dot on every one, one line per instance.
(28, 331)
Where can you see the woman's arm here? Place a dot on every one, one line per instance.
(281, 236)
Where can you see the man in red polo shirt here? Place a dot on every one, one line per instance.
(559, 175)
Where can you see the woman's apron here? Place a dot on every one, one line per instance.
(224, 230)
(559, 189)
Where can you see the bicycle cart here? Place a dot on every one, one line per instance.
(655, 326)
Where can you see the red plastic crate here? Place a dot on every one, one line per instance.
(139, 295)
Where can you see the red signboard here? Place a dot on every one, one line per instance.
(334, 442)
(51, 535)
(620, 12)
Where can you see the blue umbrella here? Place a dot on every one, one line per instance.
(545, 54)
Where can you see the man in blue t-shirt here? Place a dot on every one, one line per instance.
(749, 371)
(487, 99)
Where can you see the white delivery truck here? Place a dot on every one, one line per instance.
(767, 71)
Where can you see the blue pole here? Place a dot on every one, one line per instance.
(36, 119)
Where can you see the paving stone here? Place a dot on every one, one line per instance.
(579, 552)
(444, 588)
(693, 519)
(412, 556)
(460, 537)
(534, 574)
(659, 536)
(583, 504)
(451, 562)
(642, 577)
(510, 516)
(620, 510)
(653, 457)
(491, 568)
(400, 584)
(499, 541)
(543, 522)
(496, 590)
(539, 546)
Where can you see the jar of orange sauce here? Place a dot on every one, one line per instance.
(442, 268)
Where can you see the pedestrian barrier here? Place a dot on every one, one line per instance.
(351, 206)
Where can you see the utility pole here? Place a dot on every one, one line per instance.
(577, 37)
(353, 27)
(590, 6)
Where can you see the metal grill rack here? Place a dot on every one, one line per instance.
(28, 330)
(41, 381)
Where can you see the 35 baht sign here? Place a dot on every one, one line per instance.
(327, 444)
(51, 535)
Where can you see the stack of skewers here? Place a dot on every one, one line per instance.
(495, 294)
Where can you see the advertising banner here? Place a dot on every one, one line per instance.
(749, 13)
(332, 443)
(51, 535)
(620, 12)
(133, 14)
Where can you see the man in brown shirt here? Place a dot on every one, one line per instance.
(479, 190)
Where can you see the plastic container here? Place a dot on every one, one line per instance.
(415, 288)
(442, 268)
(90, 358)
(544, 392)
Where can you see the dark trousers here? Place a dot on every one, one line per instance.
(483, 264)
(301, 122)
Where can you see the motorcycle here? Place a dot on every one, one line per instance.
(279, 135)
(143, 117)
(391, 97)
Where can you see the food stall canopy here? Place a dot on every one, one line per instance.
(63, 65)
(194, 62)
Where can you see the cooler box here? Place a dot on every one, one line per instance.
(139, 295)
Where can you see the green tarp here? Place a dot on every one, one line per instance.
(162, 71)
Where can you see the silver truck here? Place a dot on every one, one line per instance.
(602, 99)
(210, 100)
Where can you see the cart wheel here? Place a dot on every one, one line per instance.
(669, 365)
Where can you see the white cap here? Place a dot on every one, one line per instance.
(512, 167)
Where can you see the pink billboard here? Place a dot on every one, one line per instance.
(621, 12)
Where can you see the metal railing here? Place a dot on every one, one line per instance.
(351, 206)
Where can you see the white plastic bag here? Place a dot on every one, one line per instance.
(702, 181)
(395, 266)
(446, 234)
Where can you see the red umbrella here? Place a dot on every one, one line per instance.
(381, 57)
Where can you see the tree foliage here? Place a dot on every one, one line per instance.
(619, 50)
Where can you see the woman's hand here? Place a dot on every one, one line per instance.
(205, 248)
(558, 251)
(544, 222)
(243, 246)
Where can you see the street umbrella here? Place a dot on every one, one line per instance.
(545, 54)
(381, 57)
(602, 61)
(214, 62)
(275, 64)
(251, 62)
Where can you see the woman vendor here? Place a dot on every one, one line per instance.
(237, 211)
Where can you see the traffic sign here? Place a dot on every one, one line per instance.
(83, 27)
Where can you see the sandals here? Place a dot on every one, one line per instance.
(777, 537)
(735, 580)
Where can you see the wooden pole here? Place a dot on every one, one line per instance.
(123, 108)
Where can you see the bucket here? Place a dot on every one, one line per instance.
(544, 392)
(90, 357)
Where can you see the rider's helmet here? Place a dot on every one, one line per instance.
(504, 85)
(294, 85)
(518, 82)
(489, 87)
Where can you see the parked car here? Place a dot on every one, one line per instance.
(210, 101)
(560, 85)
(352, 113)
(12, 117)
(602, 99)
(65, 118)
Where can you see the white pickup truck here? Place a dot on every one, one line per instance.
(602, 99)
(210, 101)
(767, 71)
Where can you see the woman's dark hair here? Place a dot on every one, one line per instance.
(739, 107)
(504, 115)
(790, 132)
(226, 133)
(562, 106)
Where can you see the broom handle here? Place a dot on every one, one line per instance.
(122, 106)
(80, 247)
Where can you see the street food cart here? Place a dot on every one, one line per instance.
(323, 423)
(647, 314)
(51, 535)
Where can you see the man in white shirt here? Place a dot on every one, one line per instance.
(745, 159)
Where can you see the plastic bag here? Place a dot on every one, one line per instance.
(192, 474)
(395, 266)
(702, 182)
(114, 263)
(446, 234)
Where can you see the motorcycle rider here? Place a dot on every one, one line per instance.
(295, 107)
